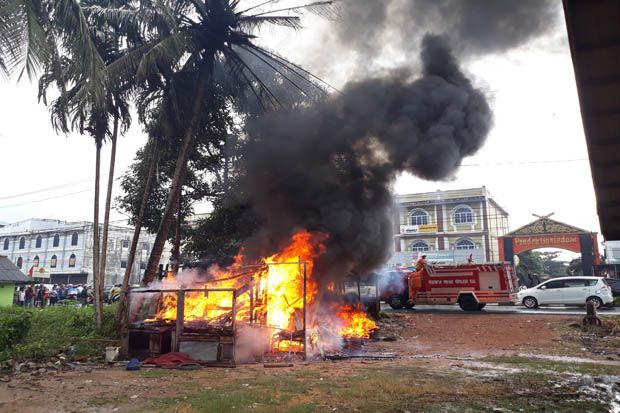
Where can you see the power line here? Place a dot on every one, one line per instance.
(45, 189)
(47, 199)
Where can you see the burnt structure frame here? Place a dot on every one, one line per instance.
(179, 325)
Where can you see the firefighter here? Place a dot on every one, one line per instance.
(415, 279)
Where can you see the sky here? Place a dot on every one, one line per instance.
(534, 160)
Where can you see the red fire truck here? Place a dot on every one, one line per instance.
(472, 286)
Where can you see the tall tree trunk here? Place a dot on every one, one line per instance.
(121, 316)
(175, 256)
(108, 202)
(177, 179)
(96, 280)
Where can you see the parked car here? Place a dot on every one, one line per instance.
(568, 291)
(615, 286)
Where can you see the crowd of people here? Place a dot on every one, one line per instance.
(41, 295)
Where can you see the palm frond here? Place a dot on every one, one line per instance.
(77, 39)
(252, 22)
(37, 48)
(24, 45)
(167, 52)
(259, 5)
(277, 70)
(321, 8)
(245, 70)
(293, 67)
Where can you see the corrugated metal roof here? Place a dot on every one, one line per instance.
(10, 274)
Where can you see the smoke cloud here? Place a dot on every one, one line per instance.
(329, 167)
(472, 26)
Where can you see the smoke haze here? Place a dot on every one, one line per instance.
(472, 26)
(329, 167)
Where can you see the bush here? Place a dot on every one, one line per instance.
(46, 332)
(14, 326)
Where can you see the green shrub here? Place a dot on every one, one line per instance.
(14, 326)
(47, 332)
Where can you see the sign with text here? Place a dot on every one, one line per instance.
(568, 242)
(418, 229)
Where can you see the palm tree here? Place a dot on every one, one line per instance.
(205, 41)
(55, 35)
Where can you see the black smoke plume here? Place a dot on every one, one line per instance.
(473, 26)
(329, 167)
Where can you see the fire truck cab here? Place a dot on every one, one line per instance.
(472, 286)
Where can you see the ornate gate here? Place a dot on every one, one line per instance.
(548, 233)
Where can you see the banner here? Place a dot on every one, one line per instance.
(418, 229)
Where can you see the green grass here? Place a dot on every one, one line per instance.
(390, 388)
(52, 330)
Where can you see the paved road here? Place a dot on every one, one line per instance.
(517, 309)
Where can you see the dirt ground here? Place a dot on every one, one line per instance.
(441, 362)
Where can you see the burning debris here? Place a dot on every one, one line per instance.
(272, 306)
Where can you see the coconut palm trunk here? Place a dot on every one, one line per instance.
(177, 178)
(175, 256)
(121, 316)
(108, 202)
(96, 280)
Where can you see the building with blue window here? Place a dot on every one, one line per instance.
(448, 226)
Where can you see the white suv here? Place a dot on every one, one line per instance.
(569, 291)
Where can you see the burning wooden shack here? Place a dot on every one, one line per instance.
(247, 313)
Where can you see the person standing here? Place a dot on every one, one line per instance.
(415, 278)
(22, 297)
(29, 296)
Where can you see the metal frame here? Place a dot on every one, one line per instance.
(253, 290)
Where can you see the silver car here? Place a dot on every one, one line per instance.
(568, 291)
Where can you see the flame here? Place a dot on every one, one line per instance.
(356, 323)
(273, 295)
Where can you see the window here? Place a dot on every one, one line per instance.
(592, 283)
(35, 261)
(72, 260)
(19, 263)
(463, 215)
(142, 265)
(56, 241)
(464, 244)
(53, 261)
(38, 242)
(6, 243)
(577, 282)
(419, 246)
(74, 239)
(554, 284)
(419, 217)
(145, 246)
(125, 243)
(22, 243)
(123, 264)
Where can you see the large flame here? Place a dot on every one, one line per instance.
(356, 322)
(273, 295)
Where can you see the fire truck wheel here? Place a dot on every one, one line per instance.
(409, 304)
(481, 306)
(468, 303)
(530, 302)
(396, 301)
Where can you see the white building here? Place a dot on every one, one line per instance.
(56, 251)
